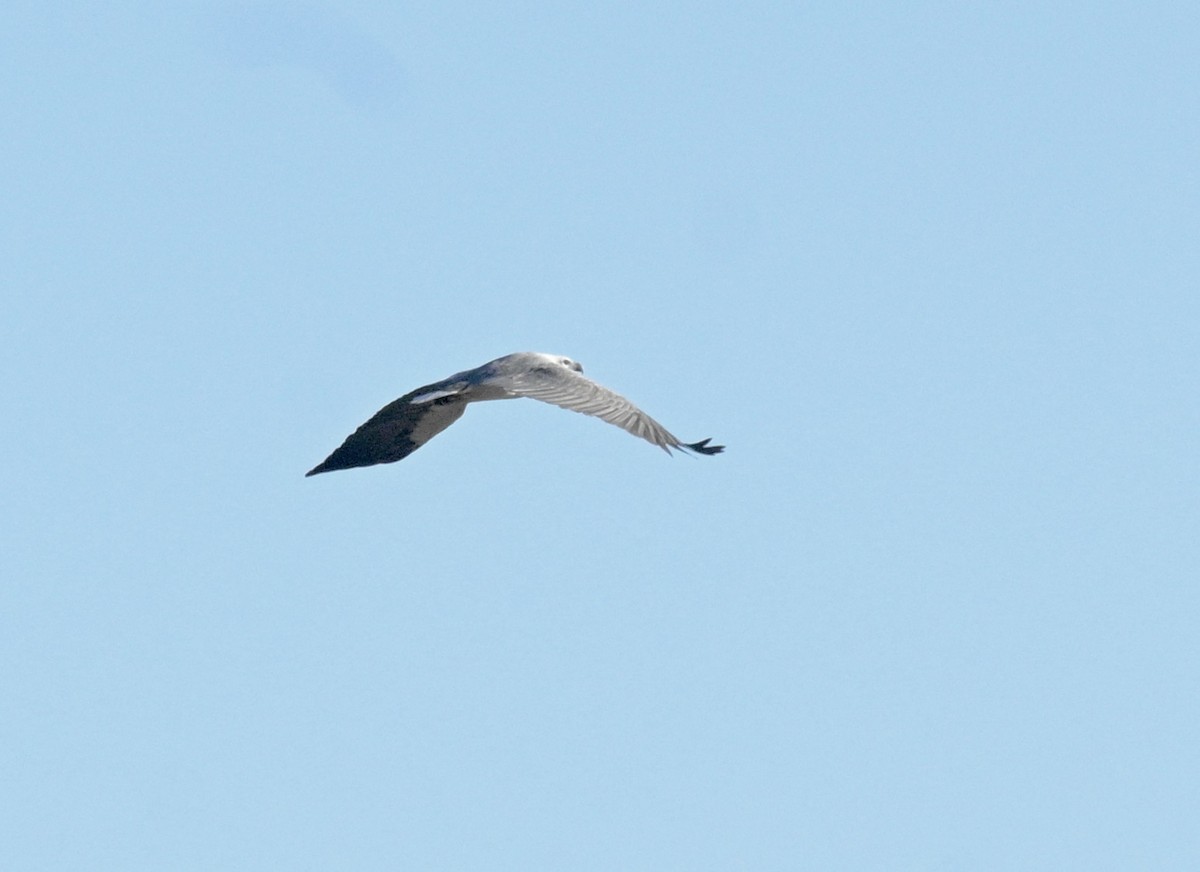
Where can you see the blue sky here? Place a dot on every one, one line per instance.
(928, 271)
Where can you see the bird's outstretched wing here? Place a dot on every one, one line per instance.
(399, 428)
(572, 390)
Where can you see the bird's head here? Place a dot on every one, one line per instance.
(559, 360)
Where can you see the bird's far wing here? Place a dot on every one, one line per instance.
(571, 390)
(399, 428)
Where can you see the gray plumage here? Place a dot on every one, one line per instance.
(401, 427)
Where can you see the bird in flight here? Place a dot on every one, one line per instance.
(401, 427)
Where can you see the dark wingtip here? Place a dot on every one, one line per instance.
(702, 447)
(318, 468)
